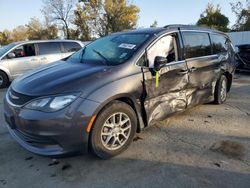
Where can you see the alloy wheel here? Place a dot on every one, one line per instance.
(116, 131)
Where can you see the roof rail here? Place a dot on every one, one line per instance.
(173, 26)
(191, 27)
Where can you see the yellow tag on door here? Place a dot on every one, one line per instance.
(157, 79)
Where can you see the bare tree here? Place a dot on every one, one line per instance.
(61, 12)
(242, 13)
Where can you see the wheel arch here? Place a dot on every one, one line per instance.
(128, 99)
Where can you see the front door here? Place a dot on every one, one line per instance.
(169, 96)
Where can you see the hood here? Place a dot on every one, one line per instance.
(59, 77)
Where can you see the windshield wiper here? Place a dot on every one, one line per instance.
(106, 61)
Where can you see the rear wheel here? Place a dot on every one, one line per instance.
(3, 80)
(113, 130)
(220, 94)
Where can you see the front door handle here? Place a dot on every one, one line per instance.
(34, 60)
(182, 72)
(43, 58)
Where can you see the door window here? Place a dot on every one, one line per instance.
(165, 47)
(71, 46)
(24, 51)
(196, 44)
(49, 48)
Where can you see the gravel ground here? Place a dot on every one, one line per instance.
(206, 146)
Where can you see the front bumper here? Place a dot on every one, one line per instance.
(51, 134)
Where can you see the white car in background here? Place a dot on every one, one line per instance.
(19, 57)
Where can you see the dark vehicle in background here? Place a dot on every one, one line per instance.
(19, 57)
(243, 57)
(98, 98)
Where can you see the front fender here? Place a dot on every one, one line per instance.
(129, 88)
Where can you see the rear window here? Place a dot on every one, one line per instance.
(196, 44)
(49, 48)
(219, 43)
(71, 46)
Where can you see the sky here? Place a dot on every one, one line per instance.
(18, 12)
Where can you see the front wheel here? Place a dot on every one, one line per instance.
(113, 130)
(220, 94)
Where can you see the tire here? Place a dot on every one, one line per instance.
(220, 94)
(3, 80)
(108, 140)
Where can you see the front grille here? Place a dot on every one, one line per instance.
(18, 98)
(34, 140)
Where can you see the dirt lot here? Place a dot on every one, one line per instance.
(206, 146)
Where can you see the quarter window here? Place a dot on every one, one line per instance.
(71, 46)
(196, 44)
(49, 48)
(219, 43)
(142, 61)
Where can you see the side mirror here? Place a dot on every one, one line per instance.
(159, 62)
(11, 55)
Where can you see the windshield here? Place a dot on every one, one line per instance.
(110, 50)
(5, 49)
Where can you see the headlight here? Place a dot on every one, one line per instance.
(51, 104)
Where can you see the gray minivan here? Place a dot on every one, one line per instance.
(99, 97)
(19, 57)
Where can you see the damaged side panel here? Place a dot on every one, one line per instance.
(202, 79)
(170, 96)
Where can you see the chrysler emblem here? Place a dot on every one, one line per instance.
(13, 96)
